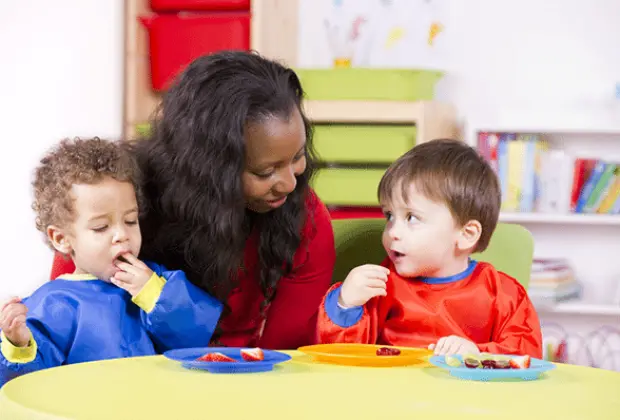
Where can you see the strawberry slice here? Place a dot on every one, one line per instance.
(520, 362)
(252, 355)
(215, 357)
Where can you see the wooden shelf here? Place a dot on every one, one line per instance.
(140, 101)
(570, 219)
(582, 308)
(366, 111)
(432, 119)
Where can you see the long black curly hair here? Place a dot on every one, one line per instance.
(195, 218)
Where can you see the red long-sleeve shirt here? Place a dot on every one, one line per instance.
(292, 316)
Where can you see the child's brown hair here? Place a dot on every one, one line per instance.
(77, 161)
(450, 172)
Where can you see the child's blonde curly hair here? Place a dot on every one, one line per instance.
(77, 161)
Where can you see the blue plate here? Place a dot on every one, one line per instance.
(537, 367)
(188, 357)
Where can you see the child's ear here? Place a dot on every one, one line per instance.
(469, 235)
(59, 239)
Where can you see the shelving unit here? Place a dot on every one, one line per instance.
(588, 241)
(273, 23)
(581, 308)
(431, 119)
(274, 34)
(561, 219)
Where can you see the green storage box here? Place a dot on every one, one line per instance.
(362, 84)
(347, 186)
(362, 143)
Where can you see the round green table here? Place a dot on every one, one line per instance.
(157, 388)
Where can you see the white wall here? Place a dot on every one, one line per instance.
(61, 75)
(500, 55)
(509, 56)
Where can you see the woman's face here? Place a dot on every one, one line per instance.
(275, 155)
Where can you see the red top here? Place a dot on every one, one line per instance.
(292, 316)
(481, 304)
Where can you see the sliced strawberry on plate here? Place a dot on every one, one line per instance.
(252, 355)
(215, 357)
(520, 362)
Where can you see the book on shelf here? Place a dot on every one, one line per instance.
(552, 281)
(537, 178)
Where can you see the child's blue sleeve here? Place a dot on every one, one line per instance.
(51, 320)
(342, 317)
(183, 314)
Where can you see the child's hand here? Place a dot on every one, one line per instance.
(13, 322)
(454, 345)
(134, 275)
(362, 284)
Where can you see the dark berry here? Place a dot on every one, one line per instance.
(471, 363)
(386, 351)
(502, 364)
(489, 364)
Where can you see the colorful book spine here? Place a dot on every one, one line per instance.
(492, 143)
(529, 159)
(612, 195)
(583, 168)
(616, 207)
(516, 150)
(541, 150)
(502, 163)
(589, 186)
(600, 188)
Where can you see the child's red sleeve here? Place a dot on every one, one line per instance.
(517, 326)
(362, 324)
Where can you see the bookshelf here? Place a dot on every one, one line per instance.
(580, 308)
(588, 241)
(560, 219)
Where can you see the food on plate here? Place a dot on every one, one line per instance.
(252, 355)
(520, 362)
(488, 364)
(502, 364)
(453, 361)
(215, 357)
(471, 363)
(387, 351)
(489, 361)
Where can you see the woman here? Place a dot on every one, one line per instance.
(227, 200)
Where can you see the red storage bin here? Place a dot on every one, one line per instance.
(181, 5)
(176, 40)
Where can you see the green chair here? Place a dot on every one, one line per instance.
(358, 242)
